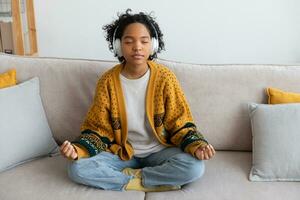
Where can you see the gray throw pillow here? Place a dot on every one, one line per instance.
(24, 130)
(276, 137)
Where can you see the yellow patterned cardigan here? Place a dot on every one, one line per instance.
(105, 125)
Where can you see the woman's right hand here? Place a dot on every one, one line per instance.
(68, 150)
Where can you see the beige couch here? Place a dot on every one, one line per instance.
(218, 96)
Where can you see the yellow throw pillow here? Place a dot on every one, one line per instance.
(8, 78)
(277, 96)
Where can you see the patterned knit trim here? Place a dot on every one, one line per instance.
(116, 123)
(190, 137)
(158, 119)
(187, 125)
(104, 139)
(93, 142)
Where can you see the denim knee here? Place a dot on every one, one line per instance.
(192, 168)
(74, 171)
(196, 170)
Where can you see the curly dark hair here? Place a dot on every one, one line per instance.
(127, 18)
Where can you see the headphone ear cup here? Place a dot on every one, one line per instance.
(117, 47)
(155, 45)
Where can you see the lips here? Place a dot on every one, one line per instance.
(137, 56)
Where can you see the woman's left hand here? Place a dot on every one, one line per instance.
(205, 152)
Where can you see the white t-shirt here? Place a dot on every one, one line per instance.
(140, 133)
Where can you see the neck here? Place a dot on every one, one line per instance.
(134, 72)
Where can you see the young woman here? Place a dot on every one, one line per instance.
(139, 133)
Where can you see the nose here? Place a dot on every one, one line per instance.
(137, 46)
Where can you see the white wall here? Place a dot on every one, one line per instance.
(198, 31)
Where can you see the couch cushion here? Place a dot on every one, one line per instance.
(276, 150)
(8, 78)
(47, 179)
(24, 131)
(276, 96)
(226, 177)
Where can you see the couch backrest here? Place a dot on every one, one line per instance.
(217, 94)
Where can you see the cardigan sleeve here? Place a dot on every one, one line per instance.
(96, 130)
(178, 119)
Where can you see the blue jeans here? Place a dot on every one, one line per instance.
(170, 166)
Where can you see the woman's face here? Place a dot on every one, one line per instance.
(136, 44)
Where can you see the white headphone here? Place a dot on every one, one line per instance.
(117, 43)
